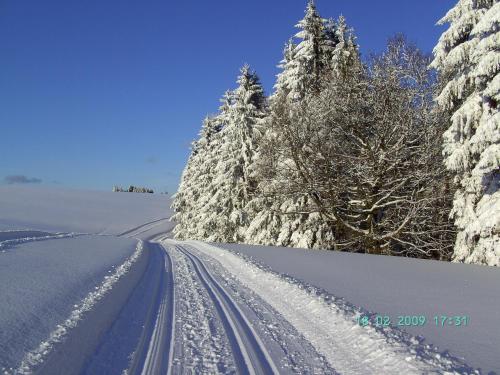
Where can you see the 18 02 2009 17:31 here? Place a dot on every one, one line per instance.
(413, 320)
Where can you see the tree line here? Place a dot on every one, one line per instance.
(395, 154)
(132, 189)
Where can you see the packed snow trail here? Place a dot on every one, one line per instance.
(189, 307)
(224, 328)
(332, 331)
(249, 351)
(160, 351)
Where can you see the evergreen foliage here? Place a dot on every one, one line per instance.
(468, 58)
(218, 180)
(347, 154)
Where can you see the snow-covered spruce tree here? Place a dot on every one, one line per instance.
(468, 58)
(345, 59)
(306, 62)
(284, 215)
(233, 182)
(196, 178)
(218, 181)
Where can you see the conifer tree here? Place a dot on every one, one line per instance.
(468, 58)
(233, 182)
(308, 60)
(281, 216)
(345, 57)
(195, 179)
(218, 180)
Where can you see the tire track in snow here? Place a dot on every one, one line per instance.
(250, 353)
(158, 359)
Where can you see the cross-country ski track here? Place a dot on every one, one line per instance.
(188, 307)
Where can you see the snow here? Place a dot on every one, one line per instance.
(401, 286)
(62, 252)
(47, 282)
(64, 210)
(90, 303)
(260, 340)
(331, 327)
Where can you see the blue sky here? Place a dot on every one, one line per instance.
(96, 93)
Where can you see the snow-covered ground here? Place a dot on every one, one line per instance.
(61, 254)
(42, 282)
(64, 210)
(91, 283)
(393, 287)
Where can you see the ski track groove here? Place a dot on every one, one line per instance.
(162, 337)
(245, 343)
(142, 228)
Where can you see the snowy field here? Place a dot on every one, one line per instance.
(63, 210)
(91, 283)
(41, 282)
(61, 253)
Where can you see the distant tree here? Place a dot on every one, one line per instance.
(133, 189)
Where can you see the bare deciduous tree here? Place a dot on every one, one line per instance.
(363, 156)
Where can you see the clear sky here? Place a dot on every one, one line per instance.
(102, 92)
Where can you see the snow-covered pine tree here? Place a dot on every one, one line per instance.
(345, 57)
(287, 66)
(283, 215)
(468, 58)
(220, 211)
(196, 178)
(306, 62)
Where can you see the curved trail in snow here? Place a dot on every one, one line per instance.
(189, 307)
(332, 330)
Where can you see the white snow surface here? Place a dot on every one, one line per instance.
(64, 210)
(61, 252)
(43, 283)
(94, 302)
(397, 286)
